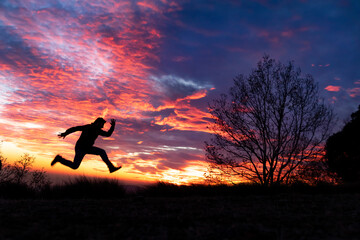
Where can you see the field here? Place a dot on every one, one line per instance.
(288, 215)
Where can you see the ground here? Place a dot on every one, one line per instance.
(276, 216)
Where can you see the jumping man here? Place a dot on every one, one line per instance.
(85, 144)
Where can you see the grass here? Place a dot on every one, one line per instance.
(86, 208)
(253, 216)
(90, 188)
(9, 190)
(162, 189)
(103, 188)
(78, 188)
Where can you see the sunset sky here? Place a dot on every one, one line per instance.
(154, 65)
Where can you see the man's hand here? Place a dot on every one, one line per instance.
(62, 135)
(112, 122)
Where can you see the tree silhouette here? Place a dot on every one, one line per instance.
(272, 122)
(342, 150)
(315, 172)
(22, 173)
(6, 173)
(22, 167)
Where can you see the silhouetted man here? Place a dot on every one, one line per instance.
(85, 144)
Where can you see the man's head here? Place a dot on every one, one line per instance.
(99, 122)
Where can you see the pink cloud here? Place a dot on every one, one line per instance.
(181, 58)
(149, 4)
(321, 65)
(354, 92)
(288, 33)
(333, 99)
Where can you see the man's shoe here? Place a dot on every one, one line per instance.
(114, 169)
(56, 159)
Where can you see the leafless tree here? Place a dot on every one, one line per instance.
(21, 172)
(273, 121)
(22, 167)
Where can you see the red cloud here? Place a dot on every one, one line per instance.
(331, 88)
(185, 116)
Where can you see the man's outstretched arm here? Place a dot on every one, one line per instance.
(111, 130)
(70, 130)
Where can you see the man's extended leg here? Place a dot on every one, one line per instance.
(79, 155)
(104, 157)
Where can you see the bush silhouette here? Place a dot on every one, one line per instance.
(84, 187)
